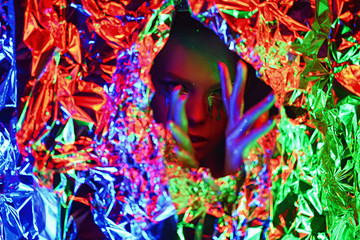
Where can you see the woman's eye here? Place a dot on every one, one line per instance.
(216, 93)
(170, 86)
(215, 96)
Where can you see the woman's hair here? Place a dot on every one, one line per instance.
(195, 35)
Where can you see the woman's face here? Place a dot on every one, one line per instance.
(197, 72)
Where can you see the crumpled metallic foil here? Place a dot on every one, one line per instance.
(86, 122)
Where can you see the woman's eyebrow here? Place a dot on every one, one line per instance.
(216, 86)
(187, 82)
(177, 78)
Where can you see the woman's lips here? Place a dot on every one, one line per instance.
(198, 141)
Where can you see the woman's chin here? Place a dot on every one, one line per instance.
(211, 157)
(202, 157)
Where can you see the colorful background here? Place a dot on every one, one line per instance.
(74, 102)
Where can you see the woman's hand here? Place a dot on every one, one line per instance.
(238, 136)
(178, 126)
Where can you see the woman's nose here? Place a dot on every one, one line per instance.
(196, 110)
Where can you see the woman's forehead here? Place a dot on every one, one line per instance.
(194, 57)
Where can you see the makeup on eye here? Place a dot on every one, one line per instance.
(170, 85)
(216, 94)
(169, 81)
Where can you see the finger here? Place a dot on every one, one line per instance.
(237, 96)
(250, 139)
(173, 100)
(186, 158)
(234, 159)
(180, 137)
(250, 117)
(233, 162)
(226, 86)
(180, 113)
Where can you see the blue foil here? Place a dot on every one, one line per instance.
(8, 91)
(16, 192)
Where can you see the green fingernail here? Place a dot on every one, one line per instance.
(171, 124)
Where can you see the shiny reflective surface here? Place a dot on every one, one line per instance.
(299, 47)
